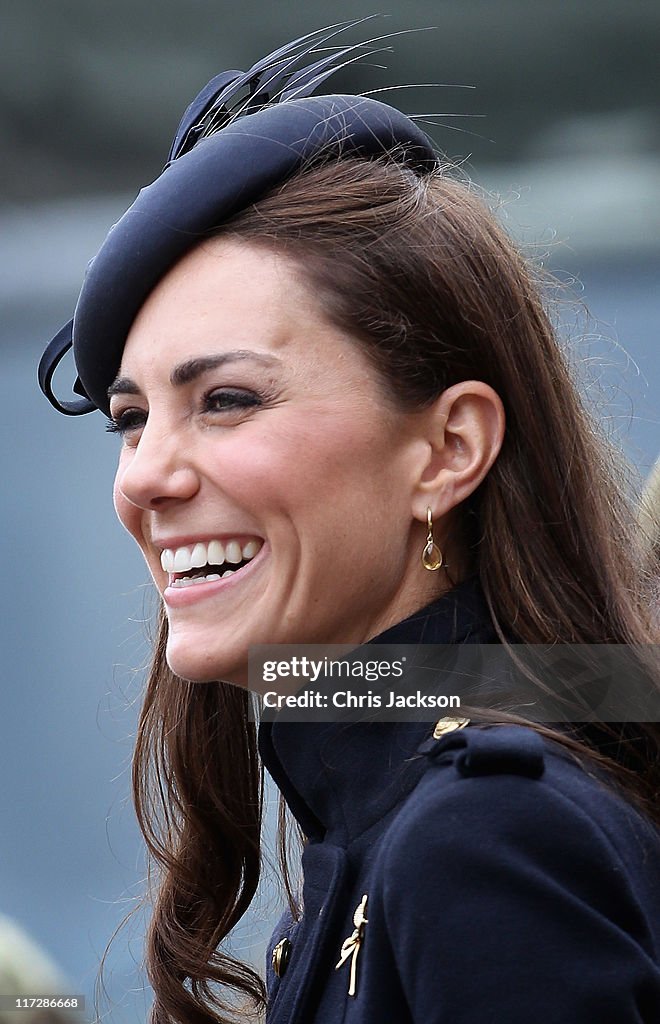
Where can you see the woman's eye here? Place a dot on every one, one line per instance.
(219, 400)
(230, 399)
(125, 422)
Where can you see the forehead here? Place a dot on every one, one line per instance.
(223, 294)
(228, 296)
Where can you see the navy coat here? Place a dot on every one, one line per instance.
(504, 884)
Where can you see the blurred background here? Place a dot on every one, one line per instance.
(561, 120)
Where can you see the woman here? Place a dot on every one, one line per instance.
(345, 418)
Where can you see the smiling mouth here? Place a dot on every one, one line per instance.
(207, 562)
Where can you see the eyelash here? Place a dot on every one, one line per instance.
(124, 422)
(131, 419)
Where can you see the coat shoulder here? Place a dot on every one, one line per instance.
(504, 802)
(513, 774)
(511, 864)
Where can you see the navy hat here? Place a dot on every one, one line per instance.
(245, 133)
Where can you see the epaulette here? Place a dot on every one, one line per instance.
(488, 750)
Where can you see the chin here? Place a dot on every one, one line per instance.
(204, 668)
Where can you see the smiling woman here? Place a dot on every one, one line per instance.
(345, 419)
(241, 450)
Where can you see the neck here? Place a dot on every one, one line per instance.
(317, 766)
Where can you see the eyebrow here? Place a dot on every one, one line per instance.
(186, 373)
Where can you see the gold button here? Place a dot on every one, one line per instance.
(280, 957)
(446, 725)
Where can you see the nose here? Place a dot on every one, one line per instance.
(158, 470)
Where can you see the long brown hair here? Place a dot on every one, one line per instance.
(420, 273)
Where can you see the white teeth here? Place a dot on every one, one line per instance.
(216, 555)
(193, 581)
(234, 553)
(198, 557)
(182, 560)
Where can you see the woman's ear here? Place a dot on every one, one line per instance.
(464, 430)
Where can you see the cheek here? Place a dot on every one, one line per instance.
(339, 485)
(129, 515)
(310, 464)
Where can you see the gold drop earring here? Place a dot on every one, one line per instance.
(431, 555)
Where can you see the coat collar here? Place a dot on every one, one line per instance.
(337, 778)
